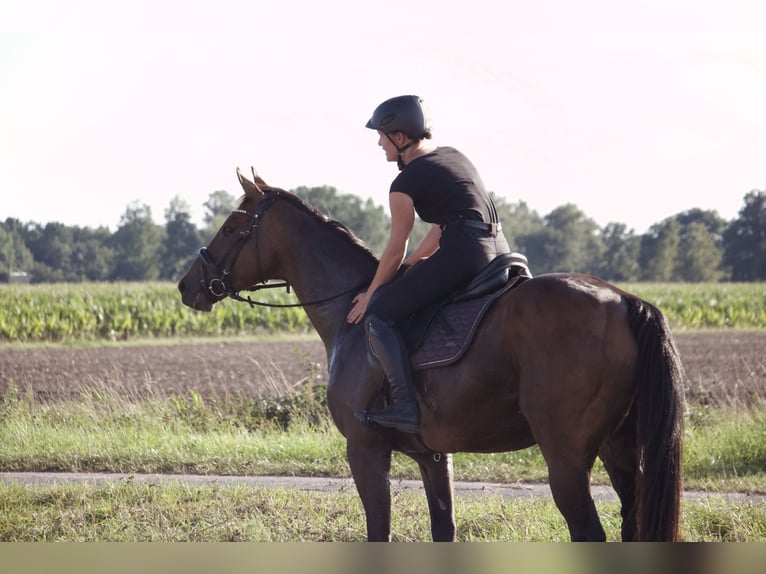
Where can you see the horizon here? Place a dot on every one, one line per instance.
(199, 223)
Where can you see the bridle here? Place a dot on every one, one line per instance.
(220, 285)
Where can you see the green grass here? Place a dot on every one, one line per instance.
(726, 451)
(294, 435)
(122, 512)
(173, 435)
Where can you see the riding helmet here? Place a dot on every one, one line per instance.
(407, 114)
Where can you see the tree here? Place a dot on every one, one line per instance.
(136, 245)
(92, 254)
(659, 250)
(713, 222)
(745, 240)
(622, 248)
(181, 240)
(700, 255)
(14, 254)
(372, 225)
(569, 241)
(367, 220)
(684, 247)
(217, 208)
(518, 220)
(52, 248)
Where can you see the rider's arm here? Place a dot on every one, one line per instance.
(427, 247)
(402, 220)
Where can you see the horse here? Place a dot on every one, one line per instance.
(565, 361)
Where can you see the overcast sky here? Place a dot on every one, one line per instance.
(633, 111)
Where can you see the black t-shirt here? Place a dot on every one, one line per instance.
(445, 186)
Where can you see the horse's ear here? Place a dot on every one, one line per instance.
(258, 180)
(251, 186)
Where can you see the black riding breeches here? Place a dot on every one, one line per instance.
(462, 254)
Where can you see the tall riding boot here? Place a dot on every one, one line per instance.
(388, 347)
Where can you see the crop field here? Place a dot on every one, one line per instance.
(124, 311)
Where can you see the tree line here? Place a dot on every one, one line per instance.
(693, 246)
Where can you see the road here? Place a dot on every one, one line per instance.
(334, 485)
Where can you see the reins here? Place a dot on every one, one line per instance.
(237, 297)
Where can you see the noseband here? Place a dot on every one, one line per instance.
(220, 286)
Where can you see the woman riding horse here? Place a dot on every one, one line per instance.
(565, 361)
(444, 188)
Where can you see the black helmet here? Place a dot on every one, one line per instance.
(406, 114)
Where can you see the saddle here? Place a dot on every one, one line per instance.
(440, 334)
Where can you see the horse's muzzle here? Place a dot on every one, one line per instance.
(196, 299)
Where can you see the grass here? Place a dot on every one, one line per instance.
(176, 435)
(726, 451)
(122, 512)
(293, 435)
(243, 436)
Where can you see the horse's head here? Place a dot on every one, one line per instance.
(235, 258)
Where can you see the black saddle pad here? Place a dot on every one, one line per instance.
(443, 335)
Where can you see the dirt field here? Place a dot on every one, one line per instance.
(721, 367)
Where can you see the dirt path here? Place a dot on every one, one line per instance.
(334, 485)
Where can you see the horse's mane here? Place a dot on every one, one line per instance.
(340, 228)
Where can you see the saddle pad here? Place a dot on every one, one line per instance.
(452, 329)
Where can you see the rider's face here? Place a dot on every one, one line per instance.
(388, 146)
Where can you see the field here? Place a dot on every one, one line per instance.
(84, 422)
(723, 368)
(124, 311)
(117, 378)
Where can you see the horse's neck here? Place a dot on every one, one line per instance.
(330, 268)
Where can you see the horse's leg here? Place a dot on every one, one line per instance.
(618, 453)
(569, 461)
(370, 468)
(569, 447)
(570, 485)
(436, 471)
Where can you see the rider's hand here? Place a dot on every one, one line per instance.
(359, 308)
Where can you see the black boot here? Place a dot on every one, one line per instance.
(388, 347)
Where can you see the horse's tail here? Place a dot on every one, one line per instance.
(659, 410)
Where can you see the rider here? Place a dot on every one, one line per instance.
(442, 186)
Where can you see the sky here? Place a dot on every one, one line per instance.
(632, 111)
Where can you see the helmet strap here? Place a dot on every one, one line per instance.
(399, 161)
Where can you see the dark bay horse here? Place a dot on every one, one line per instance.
(564, 361)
